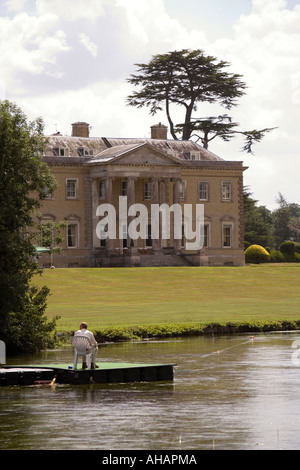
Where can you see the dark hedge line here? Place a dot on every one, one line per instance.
(128, 333)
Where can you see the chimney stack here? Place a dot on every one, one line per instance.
(159, 131)
(80, 129)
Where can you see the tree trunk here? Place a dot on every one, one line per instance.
(172, 130)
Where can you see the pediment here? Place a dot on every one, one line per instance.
(142, 154)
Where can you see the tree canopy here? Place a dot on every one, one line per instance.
(23, 179)
(186, 78)
(271, 228)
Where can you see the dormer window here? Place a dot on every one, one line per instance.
(84, 152)
(60, 152)
(193, 155)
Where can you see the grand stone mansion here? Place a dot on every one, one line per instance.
(92, 171)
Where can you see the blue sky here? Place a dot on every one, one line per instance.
(68, 60)
(215, 17)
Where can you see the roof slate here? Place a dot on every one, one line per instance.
(115, 146)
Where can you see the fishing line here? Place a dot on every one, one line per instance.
(218, 352)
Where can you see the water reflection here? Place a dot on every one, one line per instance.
(229, 393)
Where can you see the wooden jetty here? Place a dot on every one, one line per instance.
(107, 372)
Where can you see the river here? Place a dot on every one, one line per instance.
(229, 393)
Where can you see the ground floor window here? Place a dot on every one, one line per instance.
(205, 232)
(72, 232)
(149, 239)
(227, 235)
(102, 234)
(124, 236)
(206, 236)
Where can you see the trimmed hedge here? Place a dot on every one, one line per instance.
(190, 329)
(256, 254)
(297, 247)
(288, 250)
(276, 257)
(289, 253)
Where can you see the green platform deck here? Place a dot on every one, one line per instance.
(107, 372)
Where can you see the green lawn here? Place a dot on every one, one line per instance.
(140, 296)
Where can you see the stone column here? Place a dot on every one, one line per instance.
(130, 201)
(108, 189)
(156, 243)
(176, 200)
(162, 191)
(95, 203)
(162, 200)
(109, 200)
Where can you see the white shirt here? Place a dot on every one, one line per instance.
(89, 334)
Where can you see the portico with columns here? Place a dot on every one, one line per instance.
(145, 176)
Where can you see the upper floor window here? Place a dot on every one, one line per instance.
(203, 191)
(182, 190)
(72, 188)
(102, 189)
(123, 188)
(226, 191)
(148, 190)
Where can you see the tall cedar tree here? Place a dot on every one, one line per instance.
(23, 179)
(185, 78)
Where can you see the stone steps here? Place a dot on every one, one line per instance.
(163, 260)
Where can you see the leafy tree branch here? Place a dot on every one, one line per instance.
(184, 79)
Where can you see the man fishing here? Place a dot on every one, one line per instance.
(83, 331)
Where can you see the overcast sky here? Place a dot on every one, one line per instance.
(68, 60)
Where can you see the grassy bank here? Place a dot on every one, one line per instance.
(121, 303)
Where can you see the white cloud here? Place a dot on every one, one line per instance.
(73, 10)
(29, 44)
(106, 114)
(15, 5)
(148, 29)
(88, 44)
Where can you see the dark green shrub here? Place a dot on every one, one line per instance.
(297, 257)
(256, 254)
(276, 257)
(288, 250)
(297, 247)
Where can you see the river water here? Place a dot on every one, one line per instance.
(229, 393)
